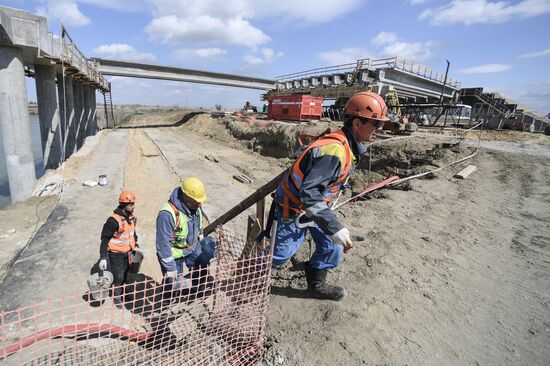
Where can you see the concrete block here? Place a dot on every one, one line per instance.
(464, 173)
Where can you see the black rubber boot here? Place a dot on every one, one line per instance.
(316, 283)
(118, 298)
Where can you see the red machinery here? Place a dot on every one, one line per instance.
(295, 107)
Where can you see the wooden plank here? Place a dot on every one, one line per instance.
(260, 211)
(246, 203)
(464, 173)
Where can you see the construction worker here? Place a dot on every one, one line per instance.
(313, 181)
(118, 239)
(180, 224)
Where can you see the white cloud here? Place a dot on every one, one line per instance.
(231, 21)
(190, 54)
(542, 53)
(262, 56)
(65, 11)
(486, 69)
(343, 56)
(123, 51)
(172, 29)
(416, 51)
(483, 11)
(387, 44)
(383, 38)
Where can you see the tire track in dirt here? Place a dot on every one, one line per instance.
(152, 178)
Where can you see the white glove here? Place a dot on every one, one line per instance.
(173, 274)
(103, 264)
(342, 237)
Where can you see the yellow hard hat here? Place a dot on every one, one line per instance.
(194, 188)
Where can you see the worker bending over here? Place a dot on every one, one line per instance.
(180, 224)
(118, 239)
(313, 181)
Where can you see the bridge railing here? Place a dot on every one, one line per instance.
(328, 70)
(76, 59)
(420, 70)
(369, 64)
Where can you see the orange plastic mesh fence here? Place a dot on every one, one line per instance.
(207, 317)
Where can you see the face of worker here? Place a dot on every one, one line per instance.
(364, 130)
(129, 208)
(189, 202)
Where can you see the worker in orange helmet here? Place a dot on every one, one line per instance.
(118, 239)
(311, 185)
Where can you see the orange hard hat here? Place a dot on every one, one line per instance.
(127, 197)
(367, 105)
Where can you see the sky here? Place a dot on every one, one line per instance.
(501, 45)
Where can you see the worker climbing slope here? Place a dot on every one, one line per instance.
(315, 180)
(118, 239)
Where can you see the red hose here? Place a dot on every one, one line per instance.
(73, 328)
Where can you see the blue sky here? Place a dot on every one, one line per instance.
(503, 46)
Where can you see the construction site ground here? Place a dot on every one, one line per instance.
(452, 272)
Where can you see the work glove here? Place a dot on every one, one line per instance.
(172, 274)
(103, 264)
(342, 237)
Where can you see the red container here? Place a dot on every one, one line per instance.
(296, 107)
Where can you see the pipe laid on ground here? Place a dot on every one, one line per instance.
(70, 329)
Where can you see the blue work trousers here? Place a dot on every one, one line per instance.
(289, 239)
(195, 257)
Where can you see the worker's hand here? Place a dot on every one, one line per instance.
(342, 237)
(103, 264)
(173, 274)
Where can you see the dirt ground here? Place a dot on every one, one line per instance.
(453, 272)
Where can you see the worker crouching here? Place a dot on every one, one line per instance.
(118, 239)
(179, 241)
(312, 184)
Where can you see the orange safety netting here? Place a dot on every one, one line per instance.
(216, 317)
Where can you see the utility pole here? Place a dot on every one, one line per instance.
(444, 83)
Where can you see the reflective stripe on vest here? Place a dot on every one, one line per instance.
(289, 188)
(181, 229)
(123, 240)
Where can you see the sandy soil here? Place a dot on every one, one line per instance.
(453, 272)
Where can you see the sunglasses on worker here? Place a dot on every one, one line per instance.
(375, 122)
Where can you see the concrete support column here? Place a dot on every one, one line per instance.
(66, 99)
(78, 116)
(61, 99)
(48, 114)
(83, 129)
(15, 124)
(94, 128)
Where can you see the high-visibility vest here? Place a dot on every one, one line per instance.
(123, 240)
(288, 190)
(181, 229)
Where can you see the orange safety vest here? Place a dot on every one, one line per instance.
(123, 240)
(292, 181)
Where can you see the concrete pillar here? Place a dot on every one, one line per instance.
(15, 124)
(94, 128)
(78, 116)
(66, 98)
(84, 123)
(48, 114)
